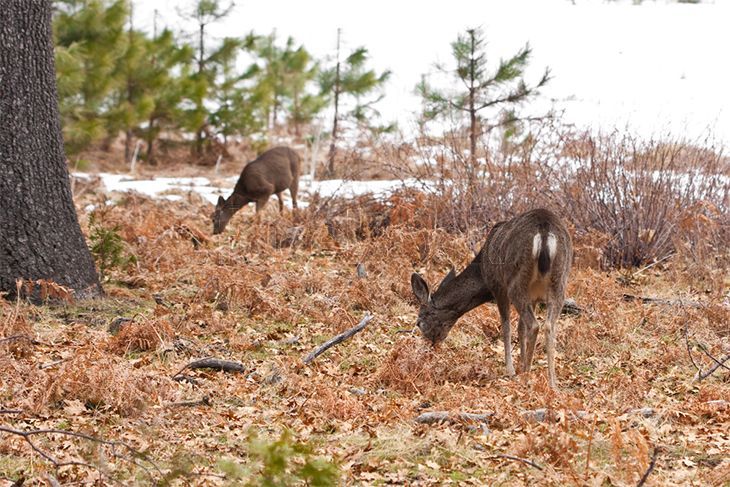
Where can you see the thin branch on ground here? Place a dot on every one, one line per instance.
(518, 459)
(433, 417)
(30, 339)
(712, 369)
(664, 302)
(338, 339)
(135, 457)
(689, 349)
(652, 464)
(204, 401)
(720, 362)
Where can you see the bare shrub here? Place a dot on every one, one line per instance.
(640, 194)
(98, 381)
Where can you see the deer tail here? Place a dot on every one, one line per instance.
(544, 248)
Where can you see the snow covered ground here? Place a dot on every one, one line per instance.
(171, 188)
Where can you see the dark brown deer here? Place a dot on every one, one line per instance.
(271, 173)
(524, 261)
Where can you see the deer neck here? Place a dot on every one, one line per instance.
(464, 292)
(235, 202)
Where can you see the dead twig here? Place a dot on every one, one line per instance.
(711, 370)
(654, 456)
(570, 307)
(700, 375)
(518, 459)
(204, 401)
(212, 363)
(718, 363)
(338, 339)
(135, 457)
(664, 302)
(434, 417)
(32, 340)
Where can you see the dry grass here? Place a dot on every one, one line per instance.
(266, 293)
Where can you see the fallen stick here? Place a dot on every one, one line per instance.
(213, 363)
(20, 337)
(570, 307)
(665, 302)
(711, 370)
(338, 339)
(650, 469)
(434, 417)
(204, 401)
(518, 459)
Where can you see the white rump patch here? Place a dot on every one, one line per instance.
(536, 244)
(552, 243)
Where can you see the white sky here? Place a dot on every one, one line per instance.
(659, 67)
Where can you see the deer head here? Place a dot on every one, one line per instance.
(224, 210)
(435, 317)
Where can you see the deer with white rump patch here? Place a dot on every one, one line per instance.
(524, 261)
(271, 173)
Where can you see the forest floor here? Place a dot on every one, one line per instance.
(268, 291)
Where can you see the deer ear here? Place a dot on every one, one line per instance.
(449, 277)
(420, 288)
(221, 201)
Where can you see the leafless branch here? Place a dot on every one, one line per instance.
(20, 337)
(518, 459)
(650, 469)
(204, 401)
(433, 417)
(338, 339)
(135, 457)
(212, 363)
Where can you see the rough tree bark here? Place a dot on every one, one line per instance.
(40, 237)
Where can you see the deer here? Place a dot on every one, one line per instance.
(271, 173)
(524, 261)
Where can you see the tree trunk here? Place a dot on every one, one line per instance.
(472, 115)
(333, 145)
(151, 136)
(40, 236)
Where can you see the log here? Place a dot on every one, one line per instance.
(570, 307)
(447, 417)
(213, 363)
(338, 339)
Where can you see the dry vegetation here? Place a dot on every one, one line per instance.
(266, 293)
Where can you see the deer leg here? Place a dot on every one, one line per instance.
(522, 337)
(503, 306)
(260, 203)
(554, 307)
(531, 327)
(293, 190)
(281, 202)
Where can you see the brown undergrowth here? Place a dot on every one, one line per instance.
(267, 292)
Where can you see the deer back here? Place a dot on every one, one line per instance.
(528, 252)
(272, 172)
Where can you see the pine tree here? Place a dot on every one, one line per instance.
(90, 38)
(163, 76)
(285, 75)
(201, 85)
(300, 71)
(350, 78)
(502, 89)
